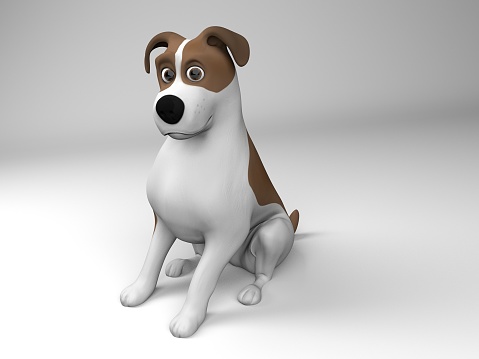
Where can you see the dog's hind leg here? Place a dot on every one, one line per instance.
(179, 266)
(270, 245)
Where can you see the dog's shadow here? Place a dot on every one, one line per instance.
(231, 277)
(224, 306)
(171, 287)
(304, 235)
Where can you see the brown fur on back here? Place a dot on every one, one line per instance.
(261, 184)
(259, 180)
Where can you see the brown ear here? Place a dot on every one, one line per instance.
(219, 36)
(163, 39)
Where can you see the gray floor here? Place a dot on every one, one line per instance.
(385, 264)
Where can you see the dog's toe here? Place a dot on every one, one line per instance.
(185, 325)
(250, 295)
(135, 294)
(178, 267)
(175, 268)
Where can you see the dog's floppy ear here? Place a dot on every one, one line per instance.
(163, 39)
(220, 36)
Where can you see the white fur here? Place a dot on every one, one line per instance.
(201, 183)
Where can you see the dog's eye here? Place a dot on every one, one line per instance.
(167, 75)
(195, 73)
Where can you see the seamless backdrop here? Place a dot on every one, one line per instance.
(72, 72)
(366, 116)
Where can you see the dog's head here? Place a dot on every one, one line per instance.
(192, 75)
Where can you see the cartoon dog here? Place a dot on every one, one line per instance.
(208, 185)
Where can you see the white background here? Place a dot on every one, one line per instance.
(366, 117)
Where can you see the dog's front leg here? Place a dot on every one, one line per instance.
(217, 253)
(145, 284)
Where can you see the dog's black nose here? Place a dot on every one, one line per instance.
(170, 109)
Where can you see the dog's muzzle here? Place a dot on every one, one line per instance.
(170, 109)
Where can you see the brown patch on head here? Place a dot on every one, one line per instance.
(163, 61)
(209, 51)
(171, 41)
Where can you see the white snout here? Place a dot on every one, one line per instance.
(199, 108)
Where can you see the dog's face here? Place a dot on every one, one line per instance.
(192, 75)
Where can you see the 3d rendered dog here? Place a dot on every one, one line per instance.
(208, 185)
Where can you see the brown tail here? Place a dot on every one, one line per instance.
(294, 217)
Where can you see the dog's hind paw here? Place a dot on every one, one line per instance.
(178, 267)
(250, 295)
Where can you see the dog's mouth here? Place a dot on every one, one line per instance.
(185, 135)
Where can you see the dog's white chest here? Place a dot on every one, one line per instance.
(195, 187)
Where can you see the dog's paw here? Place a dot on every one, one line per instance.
(136, 294)
(185, 325)
(178, 267)
(250, 295)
